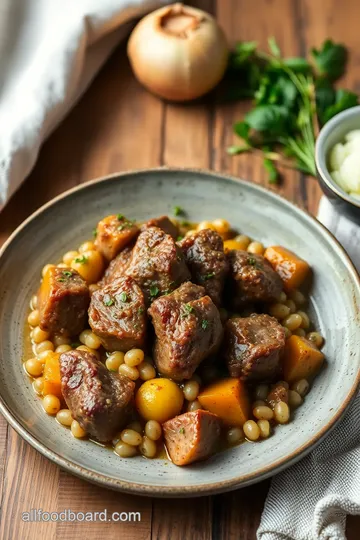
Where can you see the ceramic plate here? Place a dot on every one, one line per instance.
(69, 219)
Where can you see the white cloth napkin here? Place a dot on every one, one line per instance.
(310, 500)
(49, 52)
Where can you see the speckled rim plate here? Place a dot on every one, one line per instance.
(212, 486)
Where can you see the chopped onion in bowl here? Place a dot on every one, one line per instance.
(344, 162)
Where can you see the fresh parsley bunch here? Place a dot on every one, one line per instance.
(292, 99)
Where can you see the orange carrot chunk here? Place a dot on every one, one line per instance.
(52, 379)
(289, 266)
(228, 399)
(302, 359)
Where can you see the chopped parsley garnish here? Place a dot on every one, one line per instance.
(186, 310)
(120, 217)
(182, 431)
(178, 211)
(81, 260)
(123, 297)
(154, 291)
(108, 300)
(185, 223)
(179, 238)
(208, 276)
(204, 324)
(251, 261)
(65, 274)
(94, 232)
(141, 310)
(125, 225)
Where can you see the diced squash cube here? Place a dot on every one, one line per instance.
(52, 379)
(114, 233)
(292, 269)
(228, 399)
(302, 359)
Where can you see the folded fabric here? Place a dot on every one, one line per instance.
(50, 51)
(310, 500)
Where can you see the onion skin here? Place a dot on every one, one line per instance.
(183, 66)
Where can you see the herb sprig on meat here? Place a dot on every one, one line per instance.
(292, 97)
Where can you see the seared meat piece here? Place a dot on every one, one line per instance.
(117, 267)
(117, 314)
(205, 257)
(188, 329)
(279, 392)
(252, 279)
(97, 398)
(254, 347)
(113, 234)
(192, 436)
(157, 264)
(63, 300)
(163, 223)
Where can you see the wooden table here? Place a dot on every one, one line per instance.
(117, 126)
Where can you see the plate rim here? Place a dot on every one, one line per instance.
(213, 487)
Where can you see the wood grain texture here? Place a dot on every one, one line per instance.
(117, 125)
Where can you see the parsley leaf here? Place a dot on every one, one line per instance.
(182, 431)
(108, 300)
(237, 149)
(274, 48)
(210, 275)
(123, 297)
(330, 60)
(179, 238)
(186, 309)
(94, 233)
(65, 274)
(204, 324)
(154, 291)
(343, 100)
(272, 118)
(125, 225)
(81, 260)
(178, 211)
(120, 217)
(251, 261)
(272, 170)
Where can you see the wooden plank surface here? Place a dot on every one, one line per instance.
(117, 126)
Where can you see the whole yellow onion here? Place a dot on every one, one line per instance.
(178, 52)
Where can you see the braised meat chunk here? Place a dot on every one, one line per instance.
(117, 314)
(188, 329)
(251, 279)
(113, 233)
(253, 347)
(98, 399)
(157, 264)
(164, 223)
(192, 436)
(117, 266)
(63, 299)
(205, 257)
